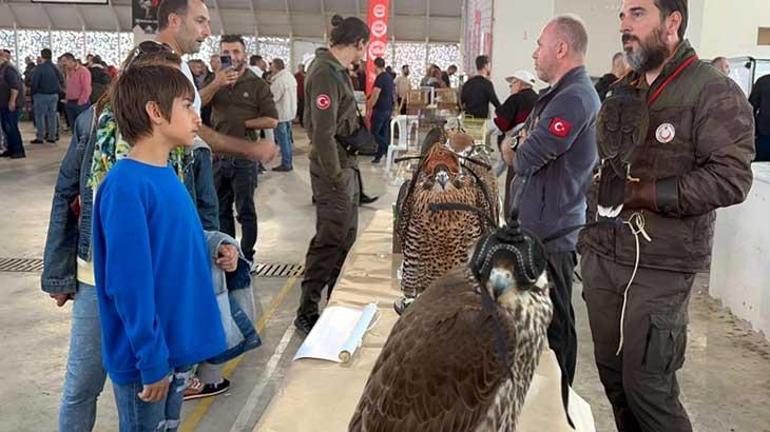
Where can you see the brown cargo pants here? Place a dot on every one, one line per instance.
(640, 383)
(336, 229)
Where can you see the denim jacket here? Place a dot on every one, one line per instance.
(235, 299)
(69, 238)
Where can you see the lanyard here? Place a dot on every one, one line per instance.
(690, 60)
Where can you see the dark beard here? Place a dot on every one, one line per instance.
(652, 52)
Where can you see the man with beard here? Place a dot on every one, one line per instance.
(241, 104)
(555, 156)
(694, 158)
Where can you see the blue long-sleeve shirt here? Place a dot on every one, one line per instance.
(153, 275)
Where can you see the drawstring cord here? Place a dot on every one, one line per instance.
(636, 224)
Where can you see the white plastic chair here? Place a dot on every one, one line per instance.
(408, 126)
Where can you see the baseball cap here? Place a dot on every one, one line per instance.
(522, 75)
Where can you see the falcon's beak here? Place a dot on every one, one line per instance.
(501, 281)
(442, 177)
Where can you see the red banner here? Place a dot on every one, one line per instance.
(379, 13)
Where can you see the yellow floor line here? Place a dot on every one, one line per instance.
(190, 424)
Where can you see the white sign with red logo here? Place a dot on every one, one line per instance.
(379, 13)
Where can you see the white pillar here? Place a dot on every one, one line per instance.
(516, 27)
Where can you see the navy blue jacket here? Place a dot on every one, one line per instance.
(46, 79)
(560, 153)
(69, 238)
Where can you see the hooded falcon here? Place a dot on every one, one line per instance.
(434, 242)
(462, 356)
(621, 127)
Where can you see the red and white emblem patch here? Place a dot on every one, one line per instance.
(560, 127)
(323, 102)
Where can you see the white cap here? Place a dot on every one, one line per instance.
(523, 76)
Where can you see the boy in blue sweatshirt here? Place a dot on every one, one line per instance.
(157, 307)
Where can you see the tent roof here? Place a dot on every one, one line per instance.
(412, 20)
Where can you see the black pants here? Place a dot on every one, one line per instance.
(641, 382)
(562, 336)
(301, 111)
(236, 180)
(336, 228)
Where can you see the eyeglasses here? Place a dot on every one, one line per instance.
(147, 47)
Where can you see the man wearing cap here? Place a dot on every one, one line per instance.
(513, 112)
(557, 152)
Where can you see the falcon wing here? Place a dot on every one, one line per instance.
(438, 371)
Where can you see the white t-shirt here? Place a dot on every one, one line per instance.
(198, 142)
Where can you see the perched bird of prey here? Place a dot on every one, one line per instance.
(434, 242)
(462, 357)
(477, 159)
(621, 128)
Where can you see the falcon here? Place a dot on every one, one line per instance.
(434, 242)
(477, 160)
(462, 357)
(621, 128)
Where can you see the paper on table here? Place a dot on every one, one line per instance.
(337, 334)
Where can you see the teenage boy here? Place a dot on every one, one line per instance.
(157, 307)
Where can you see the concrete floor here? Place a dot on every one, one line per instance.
(725, 382)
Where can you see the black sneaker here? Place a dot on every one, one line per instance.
(207, 390)
(305, 324)
(17, 156)
(36, 141)
(51, 141)
(282, 168)
(377, 160)
(8, 154)
(366, 199)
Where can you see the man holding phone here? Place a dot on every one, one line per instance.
(241, 105)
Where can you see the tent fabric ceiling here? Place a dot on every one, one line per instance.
(412, 20)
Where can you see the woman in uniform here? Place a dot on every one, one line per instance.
(331, 114)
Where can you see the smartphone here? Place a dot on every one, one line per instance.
(226, 60)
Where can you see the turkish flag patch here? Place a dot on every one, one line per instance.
(560, 127)
(323, 102)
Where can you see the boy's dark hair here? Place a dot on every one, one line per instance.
(348, 31)
(481, 62)
(168, 7)
(379, 62)
(139, 85)
(230, 38)
(46, 53)
(254, 59)
(667, 7)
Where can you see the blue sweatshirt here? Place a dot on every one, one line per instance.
(153, 275)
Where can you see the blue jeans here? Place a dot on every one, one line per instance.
(85, 376)
(381, 131)
(73, 110)
(10, 124)
(46, 116)
(136, 415)
(284, 140)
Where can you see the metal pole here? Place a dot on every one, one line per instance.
(16, 41)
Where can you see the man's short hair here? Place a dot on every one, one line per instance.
(232, 38)
(667, 7)
(573, 30)
(68, 56)
(481, 62)
(452, 67)
(379, 62)
(279, 64)
(7, 51)
(717, 60)
(168, 7)
(254, 59)
(139, 85)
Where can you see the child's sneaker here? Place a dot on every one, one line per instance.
(198, 390)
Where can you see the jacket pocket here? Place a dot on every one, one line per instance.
(666, 343)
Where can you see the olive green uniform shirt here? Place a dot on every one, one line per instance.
(247, 99)
(330, 109)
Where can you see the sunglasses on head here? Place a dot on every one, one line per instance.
(148, 47)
